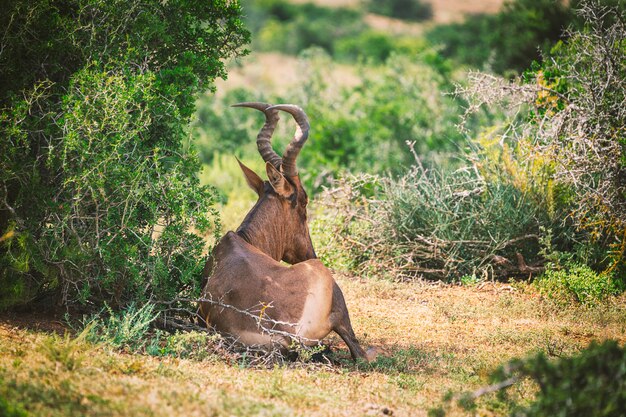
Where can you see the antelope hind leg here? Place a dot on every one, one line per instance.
(340, 322)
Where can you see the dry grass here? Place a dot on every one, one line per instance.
(432, 338)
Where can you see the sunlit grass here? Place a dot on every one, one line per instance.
(430, 339)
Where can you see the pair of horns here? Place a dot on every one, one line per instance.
(264, 139)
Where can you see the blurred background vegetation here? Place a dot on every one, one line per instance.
(452, 141)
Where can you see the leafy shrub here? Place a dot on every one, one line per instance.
(187, 345)
(220, 129)
(376, 47)
(401, 9)
(590, 383)
(291, 28)
(97, 178)
(67, 351)
(10, 409)
(577, 282)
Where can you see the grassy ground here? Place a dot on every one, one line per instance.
(432, 339)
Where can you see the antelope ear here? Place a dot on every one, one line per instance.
(278, 181)
(254, 181)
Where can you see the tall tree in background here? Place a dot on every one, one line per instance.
(98, 194)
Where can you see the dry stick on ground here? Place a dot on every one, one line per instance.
(494, 387)
(262, 355)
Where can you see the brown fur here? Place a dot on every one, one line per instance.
(244, 272)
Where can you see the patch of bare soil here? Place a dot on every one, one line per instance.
(447, 11)
(35, 321)
(276, 73)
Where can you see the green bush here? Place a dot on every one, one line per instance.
(99, 199)
(578, 283)
(10, 409)
(363, 127)
(187, 345)
(401, 9)
(372, 45)
(291, 28)
(592, 383)
(438, 224)
(567, 117)
(584, 92)
(376, 47)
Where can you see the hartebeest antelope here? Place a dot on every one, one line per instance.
(249, 294)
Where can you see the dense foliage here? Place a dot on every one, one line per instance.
(542, 189)
(291, 28)
(98, 195)
(567, 122)
(433, 223)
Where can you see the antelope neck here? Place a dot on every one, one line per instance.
(262, 229)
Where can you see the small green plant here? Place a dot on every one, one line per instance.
(306, 353)
(9, 408)
(469, 280)
(121, 329)
(67, 350)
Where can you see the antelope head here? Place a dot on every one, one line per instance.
(277, 224)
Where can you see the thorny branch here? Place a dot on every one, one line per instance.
(264, 354)
(580, 129)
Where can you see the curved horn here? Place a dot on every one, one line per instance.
(302, 133)
(264, 138)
